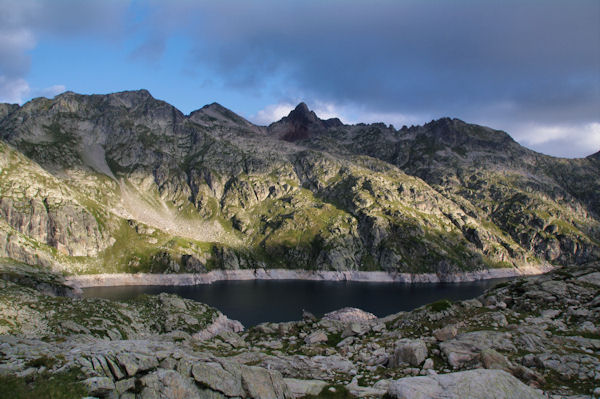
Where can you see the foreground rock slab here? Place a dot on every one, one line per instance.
(472, 384)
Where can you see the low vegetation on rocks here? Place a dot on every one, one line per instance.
(534, 337)
(127, 183)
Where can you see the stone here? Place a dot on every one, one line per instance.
(101, 367)
(168, 363)
(464, 349)
(316, 338)
(347, 315)
(550, 313)
(114, 368)
(265, 384)
(591, 278)
(471, 303)
(308, 316)
(364, 392)
(499, 319)
(125, 385)
(428, 365)
(346, 341)
(353, 329)
(299, 388)
(446, 333)
(494, 360)
(411, 351)
(184, 367)
(129, 362)
(99, 386)
(220, 324)
(216, 378)
(168, 384)
(472, 384)
(232, 339)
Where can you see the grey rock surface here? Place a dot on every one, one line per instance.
(411, 351)
(472, 384)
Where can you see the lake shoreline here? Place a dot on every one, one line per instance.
(130, 279)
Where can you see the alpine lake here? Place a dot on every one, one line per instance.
(257, 301)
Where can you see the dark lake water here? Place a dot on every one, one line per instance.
(256, 301)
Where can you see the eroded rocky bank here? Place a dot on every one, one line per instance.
(534, 337)
(124, 279)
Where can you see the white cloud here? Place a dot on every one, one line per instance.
(560, 140)
(23, 22)
(17, 90)
(271, 113)
(13, 90)
(274, 112)
(346, 113)
(49, 91)
(327, 110)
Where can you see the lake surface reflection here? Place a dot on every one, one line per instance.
(256, 301)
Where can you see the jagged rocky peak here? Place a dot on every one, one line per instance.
(301, 123)
(216, 113)
(130, 98)
(595, 156)
(127, 98)
(453, 132)
(302, 115)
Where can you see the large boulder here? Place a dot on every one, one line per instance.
(99, 386)
(222, 324)
(299, 388)
(217, 378)
(347, 315)
(446, 333)
(316, 338)
(472, 384)
(235, 380)
(411, 351)
(264, 384)
(169, 384)
(465, 349)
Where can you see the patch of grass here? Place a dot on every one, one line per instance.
(440, 306)
(501, 285)
(64, 385)
(43, 361)
(334, 339)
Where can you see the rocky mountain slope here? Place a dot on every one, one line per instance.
(535, 337)
(127, 183)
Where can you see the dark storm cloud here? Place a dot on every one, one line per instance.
(448, 57)
(528, 66)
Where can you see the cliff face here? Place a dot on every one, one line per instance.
(125, 182)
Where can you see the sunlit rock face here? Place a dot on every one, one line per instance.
(511, 342)
(127, 183)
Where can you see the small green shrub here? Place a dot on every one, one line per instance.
(44, 361)
(334, 339)
(440, 306)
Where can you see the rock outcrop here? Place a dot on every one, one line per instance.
(472, 384)
(127, 183)
(532, 337)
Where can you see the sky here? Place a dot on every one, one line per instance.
(528, 67)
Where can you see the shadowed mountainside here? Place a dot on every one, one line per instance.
(127, 183)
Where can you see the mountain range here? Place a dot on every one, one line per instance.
(127, 183)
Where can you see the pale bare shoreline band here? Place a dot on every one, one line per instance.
(125, 279)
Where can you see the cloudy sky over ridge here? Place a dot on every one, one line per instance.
(529, 67)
